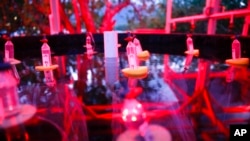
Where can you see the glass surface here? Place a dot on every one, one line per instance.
(57, 107)
(185, 97)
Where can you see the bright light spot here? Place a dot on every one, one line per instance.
(89, 77)
(134, 111)
(38, 31)
(125, 112)
(71, 86)
(15, 18)
(242, 4)
(139, 105)
(124, 118)
(73, 73)
(15, 34)
(65, 31)
(133, 118)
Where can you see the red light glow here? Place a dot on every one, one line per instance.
(132, 111)
(133, 118)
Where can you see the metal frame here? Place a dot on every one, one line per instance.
(213, 14)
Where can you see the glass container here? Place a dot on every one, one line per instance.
(8, 93)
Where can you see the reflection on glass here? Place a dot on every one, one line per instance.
(88, 45)
(133, 114)
(202, 75)
(49, 78)
(131, 55)
(236, 49)
(111, 70)
(158, 99)
(188, 62)
(230, 74)
(61, 61)
(16, 133)
(8, 93)
(15, 73)
(100, 81)
(59, 105)
(238, 76)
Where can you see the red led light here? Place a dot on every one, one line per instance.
(132, 111)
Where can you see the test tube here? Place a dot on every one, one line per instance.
(137, 45)
(9, 50)
(46, 59)
(131, 54)
(236, 49)
(189, 42)
(88, 45)
(46, 54)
